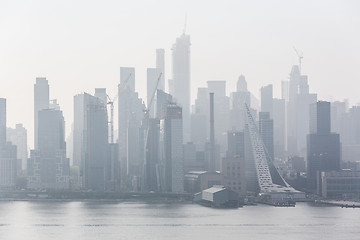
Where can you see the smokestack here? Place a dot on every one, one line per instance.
(212, 137)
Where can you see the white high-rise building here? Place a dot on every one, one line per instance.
(171, 130)
(181, 79)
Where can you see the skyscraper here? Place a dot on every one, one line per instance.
(267, 99)
(91, 148)
(160, 64)
(152, 79)
(41, 101)
(48, 167)
(172, 140)
(266, 130)
(130, 116)
(127, 77)
(323, 147)
(181, 79)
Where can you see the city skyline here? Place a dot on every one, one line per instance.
(88, 53)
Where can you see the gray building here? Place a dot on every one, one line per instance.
(130, 116)
(267, 99)
(152, 79)
(266, 130)
(91, 148)
(18, 137)
(41, 101)
(48, 167)
(323, 146)
(171, 129)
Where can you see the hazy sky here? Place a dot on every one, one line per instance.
(80, 45)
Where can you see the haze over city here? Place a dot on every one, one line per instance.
(81, 45)
(137, 119)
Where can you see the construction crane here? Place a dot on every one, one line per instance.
(300, 56)
(111, 103)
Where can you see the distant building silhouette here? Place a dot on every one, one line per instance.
(181, 79)
(172, 140)
(323, 147)
(41, 101)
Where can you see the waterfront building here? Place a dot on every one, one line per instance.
(171, 129)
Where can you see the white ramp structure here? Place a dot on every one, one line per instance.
(261, 175)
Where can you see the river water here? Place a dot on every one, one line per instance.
(136, 220)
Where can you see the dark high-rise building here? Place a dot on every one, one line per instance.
(320, 118)
(181, 79)
(41, 101)
(267, 99)
(266, 130)
(279, 117)
(323, 147)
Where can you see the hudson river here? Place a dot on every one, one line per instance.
(134, 220)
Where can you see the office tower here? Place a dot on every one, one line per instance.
(130, 116)
(162, 100)
(235, 144)
(160, 64)
(91, 148)
(323, 147)
(199, 119)
(279, 117)
(127, 78)
(101, 94)
(8, 156)
(298, 112)
(172, 130)
(152, 80)
(238, 100)
(181, 79)
(48, 167)
(152, 164)
(18, 137)
(41, 101)
(266, 131)
(267, 99)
